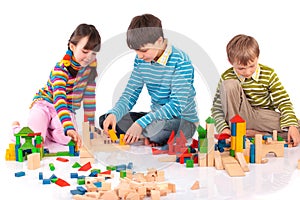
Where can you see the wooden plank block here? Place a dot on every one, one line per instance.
(234, 169)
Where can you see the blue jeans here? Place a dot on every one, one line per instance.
(159, 131)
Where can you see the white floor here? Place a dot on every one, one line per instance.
(276, 179)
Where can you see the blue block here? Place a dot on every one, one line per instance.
(74, 192)
(40, 175)
(93, 174)
(81, 189)
(252, 153)
(46, 181)
(130, 165)
(74, 175)
(98, 184)
(19, 174)
(233, 129)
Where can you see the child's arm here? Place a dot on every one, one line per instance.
(89, 102)
(218, 113)
(281, 101)
(59, 79)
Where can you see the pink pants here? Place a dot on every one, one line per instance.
(43, 118)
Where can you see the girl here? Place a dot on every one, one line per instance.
(71, 81)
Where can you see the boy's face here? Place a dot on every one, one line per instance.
(150, 52)
(248, 70)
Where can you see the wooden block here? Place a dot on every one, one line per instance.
(234, 169)
(218, 161)
(109, 195)
(241, 159)
(195, 186)
(169, 158)
(228, 160)
(155, 195)
(172, 187)
(34, 161)
(274, 135)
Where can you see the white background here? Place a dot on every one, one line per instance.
(34, 36)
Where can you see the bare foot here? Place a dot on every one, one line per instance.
(15, 123)
(147, 142)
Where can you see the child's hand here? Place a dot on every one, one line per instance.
(294, 134)
(110, 120)
(75, 137)
(227, 131)
(133, 133)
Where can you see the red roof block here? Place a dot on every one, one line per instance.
(237, 119)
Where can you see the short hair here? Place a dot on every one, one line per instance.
(242, 49)
(83, 30)
(142, 30)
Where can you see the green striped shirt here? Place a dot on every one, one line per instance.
(264, 90)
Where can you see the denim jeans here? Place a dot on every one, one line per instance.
(158, 131)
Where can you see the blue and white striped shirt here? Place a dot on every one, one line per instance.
(169, 82)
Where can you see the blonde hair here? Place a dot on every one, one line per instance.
(242, 49)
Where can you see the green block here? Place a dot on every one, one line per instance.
(53, 180)
(96, 170)
(20, 155)
(232, 152)
(279, 138)
(63, 153)
(122, 173)
(51, 165)
(201, 132)
(80, 181)
(76, 165)
(203, 150)
(210, 120)
(189, 163)
(111, 167)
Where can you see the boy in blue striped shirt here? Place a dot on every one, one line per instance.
(168, 75)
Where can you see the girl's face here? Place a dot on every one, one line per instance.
(83, 56)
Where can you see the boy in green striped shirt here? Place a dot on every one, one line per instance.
(254, 92)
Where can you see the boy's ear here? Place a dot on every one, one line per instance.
(159, 41)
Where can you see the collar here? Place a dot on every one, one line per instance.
(163, 59)
(255, 75)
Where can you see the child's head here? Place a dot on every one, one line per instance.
(243, 53)
(85, 42)
(145, 35)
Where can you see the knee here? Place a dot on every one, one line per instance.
(230, 86)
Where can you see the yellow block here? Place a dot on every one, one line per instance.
(233, 140)
(112, 135)
(122, 139)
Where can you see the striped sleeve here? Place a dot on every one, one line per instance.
(217, 111)
(89, 102)
(281, 100)
(181, 87)
(58, 78)
(130, 95)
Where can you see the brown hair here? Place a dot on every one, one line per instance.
(83, 30)
(142, 30)
(242, 49)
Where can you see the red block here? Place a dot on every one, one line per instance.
(85, 167)
(61, 182)
(62, 159)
